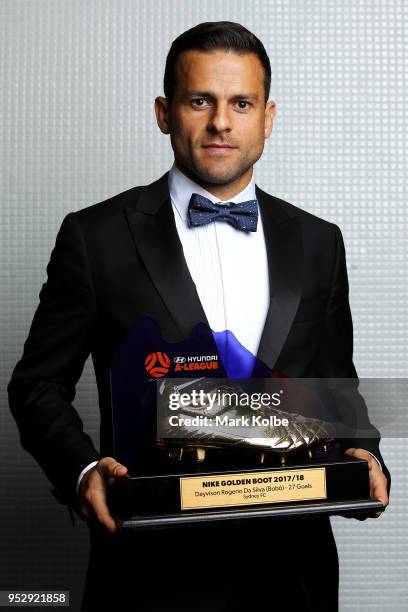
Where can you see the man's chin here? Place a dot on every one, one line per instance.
(217, 177)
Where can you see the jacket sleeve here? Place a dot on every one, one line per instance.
(42, 385)
(335, 360)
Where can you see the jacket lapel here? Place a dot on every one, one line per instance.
(151, 222)
(284, 247)
(154, 231)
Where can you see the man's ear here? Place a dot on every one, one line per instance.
(270, 111)
(162, 115)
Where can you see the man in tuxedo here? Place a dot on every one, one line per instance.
(202, 244)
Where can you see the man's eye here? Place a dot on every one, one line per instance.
(245, 102)
(195, 100)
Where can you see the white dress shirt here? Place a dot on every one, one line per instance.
(228, 266)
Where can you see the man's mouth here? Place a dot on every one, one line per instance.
(218, 148)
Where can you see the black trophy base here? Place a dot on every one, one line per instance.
(159, 501)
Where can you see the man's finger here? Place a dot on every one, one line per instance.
(104, 518)
(379, 491)
(101, 511)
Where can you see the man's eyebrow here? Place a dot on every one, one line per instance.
(210, 94)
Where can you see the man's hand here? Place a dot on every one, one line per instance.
(378, 481)
(93, 489)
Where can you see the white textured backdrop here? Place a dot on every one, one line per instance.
(78, 82)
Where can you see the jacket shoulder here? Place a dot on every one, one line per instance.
(112, 205)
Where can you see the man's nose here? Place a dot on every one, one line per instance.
(220, 118)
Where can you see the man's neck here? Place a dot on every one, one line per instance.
(222, 192)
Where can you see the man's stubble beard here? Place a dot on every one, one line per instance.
(197, 171)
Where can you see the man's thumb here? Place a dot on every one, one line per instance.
(110, 468)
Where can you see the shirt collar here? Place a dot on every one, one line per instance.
(181, 187)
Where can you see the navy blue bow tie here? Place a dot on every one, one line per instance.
(243, 215)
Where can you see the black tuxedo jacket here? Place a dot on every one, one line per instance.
(121, 259)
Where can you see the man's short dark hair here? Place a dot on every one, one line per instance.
(210, 36)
